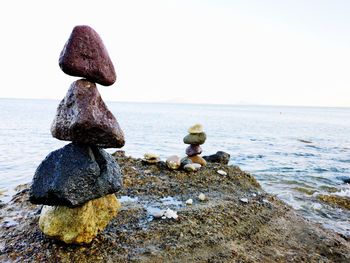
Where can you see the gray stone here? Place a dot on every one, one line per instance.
(74, 175)
(185, 161)
(219, 157)
(197, 138)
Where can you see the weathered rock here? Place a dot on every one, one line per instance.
(75, 174)
(192, 167)
(193, 149)
(198, 159)
(151, 158)
(173, 162)
(185, 161)
(202, 197)
(189, 168)
(83, 117)
(198, 138)
(81, 224)
(219, 157)
(84, 55)
(340, 201)
(197, 128)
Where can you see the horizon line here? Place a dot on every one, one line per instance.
(198, 103)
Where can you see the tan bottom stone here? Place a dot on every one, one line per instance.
(198, 159)
(80, 224)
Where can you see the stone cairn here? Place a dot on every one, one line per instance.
(195, 139)
(76, 184)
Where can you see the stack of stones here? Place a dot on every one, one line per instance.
(195, 139)
(76, 184)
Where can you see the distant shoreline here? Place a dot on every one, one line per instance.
(199, 104)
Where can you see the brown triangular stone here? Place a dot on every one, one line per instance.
(84, 55)
(83, 117)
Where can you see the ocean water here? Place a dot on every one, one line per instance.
(290, 150)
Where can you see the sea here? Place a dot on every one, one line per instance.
(296, 153)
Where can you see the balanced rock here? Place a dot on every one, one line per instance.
(197, 138)
(193, 149)
(198, 159)
(80, 224)
(197, 128)
(75, 174)
(173, 162)
(84, 55)
(83, 117)
(219, 157)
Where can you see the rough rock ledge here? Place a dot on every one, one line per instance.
(220, 229)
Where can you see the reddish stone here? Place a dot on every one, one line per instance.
(193, 149)
(83, 117)
(84, 55)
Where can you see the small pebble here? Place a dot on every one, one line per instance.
(197, 128)
(221, 172)
(202, 197)
(189, 202)
(169, 213)
(197, 166)
(244, 200)
(190, 167)
(158, 214)
(151, 157)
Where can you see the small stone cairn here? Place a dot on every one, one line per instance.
(76, 184)
(195, 139)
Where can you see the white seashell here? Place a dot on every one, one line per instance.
(202, 197)
(196, 165)
(170, 214)
(158, 214)
(221, 172)
(189, 202)
(244, 200)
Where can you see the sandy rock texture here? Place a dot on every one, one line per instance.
(221, 228)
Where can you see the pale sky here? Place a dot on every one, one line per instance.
(234, 52)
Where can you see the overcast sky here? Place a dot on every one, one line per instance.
(240, 52)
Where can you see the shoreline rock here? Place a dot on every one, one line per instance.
(81, 224)
(220, 229)
(75, 174)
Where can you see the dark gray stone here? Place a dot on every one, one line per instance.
(185, 161)
(197, 138)
(75, 174)
(219, 157)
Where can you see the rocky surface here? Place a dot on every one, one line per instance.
(80, 224)
(83, 117)
(222, 228)
(84, 55)
(75, 174)
(218, 157)
(335, 200)
(196, 138)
